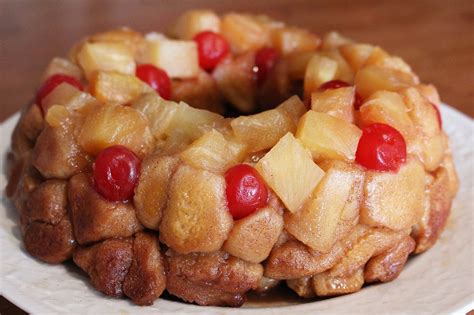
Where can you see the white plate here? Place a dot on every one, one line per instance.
(438, 281)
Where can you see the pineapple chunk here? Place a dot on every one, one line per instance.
(70, 97)
(133, 40)
(394, 200)
(263, 130)
(320, 69)
(193, 123)
(62, 66)
(294, 40)
(356, 54)
(421, 111)
(424, 116)
(344, 70)
(290, 171)
(56, 115)
(213, 152)
(244, 32)
(117, 88)
(106, 56)
(197, 218)
(297, 63)
(381, 58)
(253, 237)
(388, 108)
(193, 22)
(429, 92)
(371, 79)
(334, 40)
(294, 107)
(183, 122)
(316, 223)
(328, 137)
(110, 125)
(335, 102)
(178, 58)
(159, 112)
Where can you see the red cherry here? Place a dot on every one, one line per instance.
(265, 60)
(335, 84)
(116, 170)
(212, 49)
(155, 77)
(246, 191)
(381, 148)
(438, 115)
(51, 83)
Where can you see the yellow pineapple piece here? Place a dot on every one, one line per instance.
(371, 79)
(356, 54)
(387, 108)
(335, 102)
(334, 40)
(197, 218)
(159, 112)
(183, 122)
(253, 237)
(70, 97)
(381, 58)
(320, 69)
(193, 123)
(316, 223)
(344, 70)
(110, 125)
(328, 137)
(133, 40)
(106, 56)
(429, 92)
(56, 115)
(294, 107)
(213, 152)
(424, 117)
(294, 40)
(117, 88)
(193, 22)
(179, 58)
(296, 64)
(62, 66)
(290, 171)
(263, 130)
(394, 200)
(244, 32)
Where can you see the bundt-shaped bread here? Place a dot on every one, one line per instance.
(229, 155)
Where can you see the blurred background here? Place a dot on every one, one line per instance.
(436, 37)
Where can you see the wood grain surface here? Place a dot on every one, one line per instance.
(436, 37)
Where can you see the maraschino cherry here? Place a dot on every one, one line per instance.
(155, 77)
(212, 49)
(381, 148)
(51, 83)
(115, 172)
(335, 84)
(246, 191)
(265, 60)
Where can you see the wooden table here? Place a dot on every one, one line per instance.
(434, 36)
